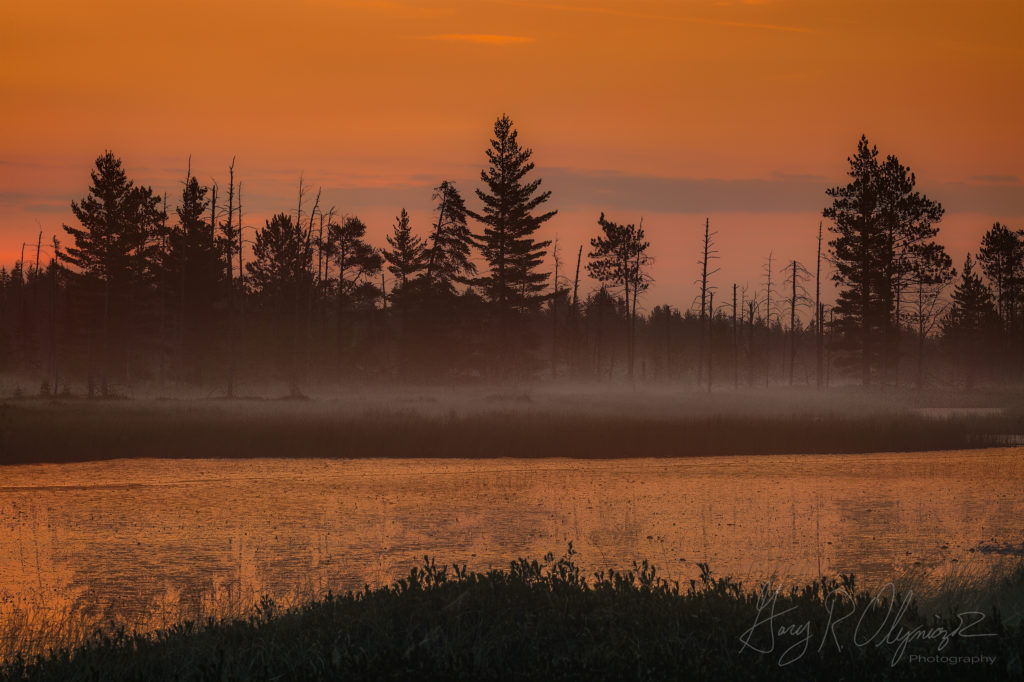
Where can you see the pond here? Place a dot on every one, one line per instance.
(147, 542)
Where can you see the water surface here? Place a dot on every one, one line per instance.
(151, 541)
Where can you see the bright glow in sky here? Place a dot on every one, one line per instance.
(667, 110)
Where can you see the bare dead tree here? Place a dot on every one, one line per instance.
(311, 293)
(554, 312)
(576, 282)
(709, 254)
(229, 247)
(54, 286)
(819, 331)
(241, 280)
(711, 348)
(751, 308)
(642, 280)
(162, 299)
(768, 317)
(735, 343)
(798, 298)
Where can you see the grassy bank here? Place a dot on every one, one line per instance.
(45, 431)
(544, 620)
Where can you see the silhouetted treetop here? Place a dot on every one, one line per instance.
(448, 252)
(118, 222)
(406, 256)
(885, 234)
(1002, 260)
(283, 258)
(354, 257)
(507, 242)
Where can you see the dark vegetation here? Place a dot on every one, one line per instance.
(58, 431)
(132, 294)
(548, 621)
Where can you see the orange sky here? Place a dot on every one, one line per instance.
(744, 111)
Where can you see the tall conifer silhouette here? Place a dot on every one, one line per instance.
(406, 256)
(447, 254)
(510, 202)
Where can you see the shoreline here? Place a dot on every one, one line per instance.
(64, 432)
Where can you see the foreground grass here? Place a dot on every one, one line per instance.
(546, 621)
(45, 431)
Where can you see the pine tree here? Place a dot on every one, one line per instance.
(971, 318)
(194, 273)
(281, 273)
(357, 264)
(406, 256)
(113, 256)
(1002, 260)
(927, 280)
(356, 260)
(283, 259)
(618, 258)
(118, 220)
(514, 282)
(447, 256)
(883, 230)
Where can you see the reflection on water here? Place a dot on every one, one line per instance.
(151, 541)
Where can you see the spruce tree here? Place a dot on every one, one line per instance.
(510, 201)
(406, 256)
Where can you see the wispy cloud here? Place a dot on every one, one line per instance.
(781, 192)
(658, 17)
(481, 38)
(998, 179)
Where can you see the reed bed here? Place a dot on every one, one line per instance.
(546, 620)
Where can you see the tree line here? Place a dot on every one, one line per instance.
(135, 292)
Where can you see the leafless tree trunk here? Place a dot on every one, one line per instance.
(237, 351)
(709, 254)
(311, 288)
(792, 327)
(162, 314)
(750, 340)
(711, 322)
(231, 287)
(554, 315)
(668, 342)
(768, 321)
(819, 331)
(632, 313)
(53, 314)
(575, 312)
(735, 343)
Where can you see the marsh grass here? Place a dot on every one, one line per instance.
(30, 628)
(56, 431)
(546, 620)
